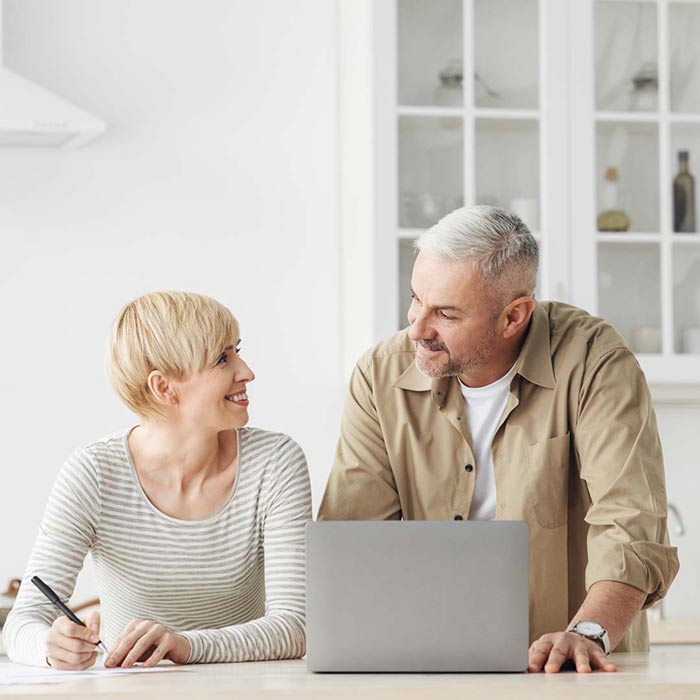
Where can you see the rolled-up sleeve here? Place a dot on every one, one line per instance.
(361, 485)
(621, 464)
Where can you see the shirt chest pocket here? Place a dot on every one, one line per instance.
(548, 480)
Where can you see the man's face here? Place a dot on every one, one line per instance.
(452, 318)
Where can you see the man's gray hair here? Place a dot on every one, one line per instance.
(494, 241)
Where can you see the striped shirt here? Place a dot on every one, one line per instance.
(232, 583)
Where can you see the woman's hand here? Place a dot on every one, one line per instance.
(70, 647)
(149, 642)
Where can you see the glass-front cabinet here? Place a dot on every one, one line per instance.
(465, 140)
(582, 116)
(635, 134)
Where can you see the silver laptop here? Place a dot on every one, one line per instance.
(417, 596)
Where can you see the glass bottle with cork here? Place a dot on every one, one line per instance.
(612, 217)
(683, 197)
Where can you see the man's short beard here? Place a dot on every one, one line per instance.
(456, 367)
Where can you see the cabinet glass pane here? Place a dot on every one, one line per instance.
(629, 292)
(406, 258)
(430, 169)
(506, 166)
(684, 47)
(686, 298)
(685, 138)
(632, 150)
(430, 43)
(626, 56)
(506, 54)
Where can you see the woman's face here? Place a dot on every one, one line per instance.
(216, 397)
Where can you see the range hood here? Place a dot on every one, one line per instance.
(33, 117)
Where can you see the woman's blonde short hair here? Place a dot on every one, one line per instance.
(174, 332)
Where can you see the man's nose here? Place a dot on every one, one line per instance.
(420, 328)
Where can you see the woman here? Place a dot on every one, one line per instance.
(195, 523)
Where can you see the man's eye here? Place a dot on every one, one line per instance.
(442, 314)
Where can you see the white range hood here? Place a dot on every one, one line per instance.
(33, 117)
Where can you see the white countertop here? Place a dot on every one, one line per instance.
(667, 672)
(683, 631)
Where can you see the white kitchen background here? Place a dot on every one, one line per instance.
(251, 153)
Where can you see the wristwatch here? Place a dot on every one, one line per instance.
(592, 630)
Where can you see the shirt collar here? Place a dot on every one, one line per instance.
(535, 362)
(536, 356)
(414, 380)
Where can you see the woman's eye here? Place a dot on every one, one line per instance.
(238, 350)
(222, 360)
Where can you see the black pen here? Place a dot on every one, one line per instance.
(55, 600)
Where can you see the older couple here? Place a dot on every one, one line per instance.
(489, 406)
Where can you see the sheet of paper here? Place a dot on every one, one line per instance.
(14, 674)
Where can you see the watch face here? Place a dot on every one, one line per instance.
(591, 629)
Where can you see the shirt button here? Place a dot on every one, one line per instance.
(458, 517)
(468, 468)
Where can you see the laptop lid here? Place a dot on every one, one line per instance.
(417, 596)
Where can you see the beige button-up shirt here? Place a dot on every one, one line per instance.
(577, 456)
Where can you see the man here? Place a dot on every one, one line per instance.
(494, 406)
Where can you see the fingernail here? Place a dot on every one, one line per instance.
(109, 662)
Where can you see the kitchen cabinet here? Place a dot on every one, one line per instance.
(527, 104)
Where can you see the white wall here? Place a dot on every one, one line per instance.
(218, 174)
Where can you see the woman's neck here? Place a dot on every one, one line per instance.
(188, 454)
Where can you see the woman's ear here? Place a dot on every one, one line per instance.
(162, 388)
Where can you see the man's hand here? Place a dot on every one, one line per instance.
(552, 650)
(148, 642)
(71, 647)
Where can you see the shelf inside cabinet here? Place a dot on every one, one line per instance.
(686, 138)
(626, 56)
(507, 114)
(629, 292)
(684, 59)
(430, 169)
(686, 239)
(506, 56)
(429, 43)
(632, 148)
(641, 117)
(507, 166)
(419, 111)
(628, 237)
(686, 299)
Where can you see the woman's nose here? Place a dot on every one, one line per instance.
(246, 374)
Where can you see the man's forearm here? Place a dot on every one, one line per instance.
(613, 605)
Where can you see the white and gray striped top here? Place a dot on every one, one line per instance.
(232, 583)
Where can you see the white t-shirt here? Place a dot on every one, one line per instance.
(484, 408)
